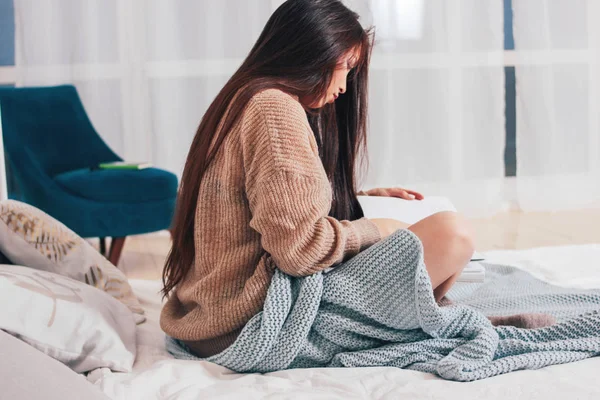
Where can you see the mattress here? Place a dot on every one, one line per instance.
(156, 375)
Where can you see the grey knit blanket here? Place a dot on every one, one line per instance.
(378, 309)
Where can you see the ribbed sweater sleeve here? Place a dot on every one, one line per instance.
(288, 191)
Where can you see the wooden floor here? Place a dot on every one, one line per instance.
(143, 256)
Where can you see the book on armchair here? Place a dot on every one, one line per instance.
(412, 211)
(124, 165)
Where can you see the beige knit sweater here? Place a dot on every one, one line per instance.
(263, 204)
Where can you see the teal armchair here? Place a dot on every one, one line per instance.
(51, 151)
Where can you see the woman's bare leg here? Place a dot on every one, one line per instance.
(448, 247)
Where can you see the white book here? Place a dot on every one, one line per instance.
(412, 211)
(474, 272)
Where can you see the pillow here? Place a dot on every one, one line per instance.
(30, 237)
(26, 373)
(74, 323)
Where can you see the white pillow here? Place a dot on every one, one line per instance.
(26, 373)
(75, 323)
(30, 237)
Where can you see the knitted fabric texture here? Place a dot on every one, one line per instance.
(263, 201)
(378, 309)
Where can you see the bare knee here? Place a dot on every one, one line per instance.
(447, 239)
(464, 243)
(456, 235)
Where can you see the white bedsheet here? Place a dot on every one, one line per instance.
(157, 375)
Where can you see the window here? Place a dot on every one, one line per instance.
(7, 60)
(510, 153)
(7, 43)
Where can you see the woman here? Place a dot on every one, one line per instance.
(269, 181)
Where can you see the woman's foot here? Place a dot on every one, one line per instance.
(526, 321)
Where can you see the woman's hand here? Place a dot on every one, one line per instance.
(393, 192)
(387, 226)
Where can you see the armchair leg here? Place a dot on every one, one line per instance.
(116, 247)
(103, 246)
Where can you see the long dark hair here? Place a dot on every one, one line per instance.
(297, 52)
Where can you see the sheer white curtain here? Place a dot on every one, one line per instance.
(437, 99)
(148, 69)
(557, 54)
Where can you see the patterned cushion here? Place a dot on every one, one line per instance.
(30, 237)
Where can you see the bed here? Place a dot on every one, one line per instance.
(156, 375)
